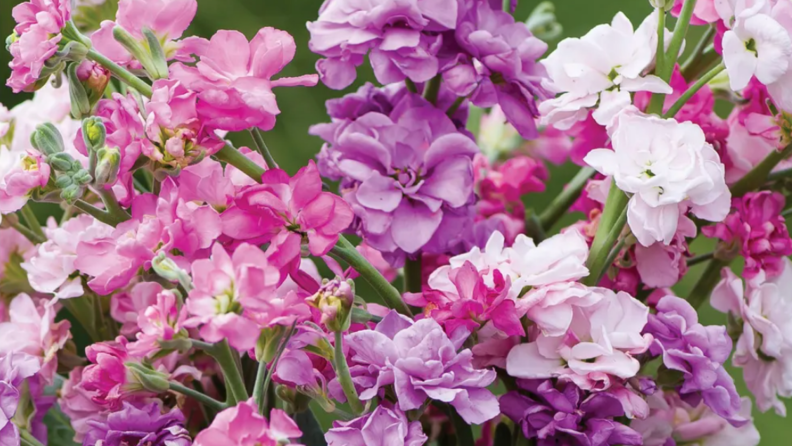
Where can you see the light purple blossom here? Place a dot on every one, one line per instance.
(383, 426)
(14, 369)
(145, 426)
(563, 414)
(401, 37)
(698, 352)
(421, 362)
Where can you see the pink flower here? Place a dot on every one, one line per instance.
(34, 331)
(291, 207)
(20, 173)
(225, 287)
(176, 136)
(233, 78)
(35, 39)
(460, 297)
(207, 182)
(162, 321)
(759, 230)
(661, 265)
(126, 307)
(602, 335)
(242, 425)
(13, 245)
(77, 403)
(50, 269)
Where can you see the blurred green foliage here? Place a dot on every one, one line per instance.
(302, 107)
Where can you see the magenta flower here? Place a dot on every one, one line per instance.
(496, 63)
(421, 362)
(291, 208)
(401, 37)
(145, 425)
(759, 230)
(35, 40)
(381, 426)
(242, 425)
(77, 403)
(461, 297)
(564, 414)
(233, 78)
(698, 352)
(107, 375)
(229, 290)
(406, 175)
(176, 136)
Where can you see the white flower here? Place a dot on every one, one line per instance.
(757, 46)
(603, 67)
(666, 165)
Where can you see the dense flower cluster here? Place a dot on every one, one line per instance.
(412, 280)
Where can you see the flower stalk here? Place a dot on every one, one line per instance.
(344, 378)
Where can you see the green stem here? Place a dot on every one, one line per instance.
(670, 57)
(233, 157)
(777, 175)
(614, 252)
(411, 87)
(463, 431)
(564, 200)
(121, 73)
(695, 67)
(412, 275)
(264, 377)
(93, 211)
(693, 90)
(432, 89)
(611, 223)
(344, 378)
(235, 384)
(258, 138)
(758, 175)
(28, 437)
(27, 233)
(112, 207)
(83, 311)
(701, 46)
(390, 295)
(32, 221)
(700, 259)
(198, 396)
(660, 53)
(455, 106)
(507, 6)
(706, 283)
(533, 227)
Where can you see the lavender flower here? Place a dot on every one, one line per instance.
(382, 426)
(562, 414)
(421, 362)
(698, 352)
(145, 426)
(14, 369)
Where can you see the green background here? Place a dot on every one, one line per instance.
(301, 107)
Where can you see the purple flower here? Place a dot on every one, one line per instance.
(494, 61)
(406, 174)
(383, 426)
(14, 369)
(402, 37)
(562, 414)
(698, 352)
(421, 362)
(140, 426)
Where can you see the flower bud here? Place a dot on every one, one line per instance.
(61, 162)
(87, 83)
(71, 193)
(666, 5)
(268, 342)
(47, 139)
(140, 377)
(94, 133)
(334, 299)
(80, 105)
(82, 177)
(166, 268)
(543, 23)
(63, 181)
(73, 35)
(152, 58)
(107, 164)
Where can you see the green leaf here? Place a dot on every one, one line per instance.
(312, 431)
(59, 430)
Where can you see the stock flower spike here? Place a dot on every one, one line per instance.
(422, 262)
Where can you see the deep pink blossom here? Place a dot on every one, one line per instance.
(107, 376)
(242, 425)
(759, 230)
(233, 78)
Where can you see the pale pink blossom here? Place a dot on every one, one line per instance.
(162, 321)
(661, 265)
(233, 78)
(77, 403)
(668, 167)
(127, 306)
(33, 330)
(20, 174)
(600, 70)
(764, 349)
(242, 425)
(599, 342)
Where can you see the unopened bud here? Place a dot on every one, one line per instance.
(47, 139)
(82, 177)
(665, 5)
(543, 23)
(80, 105)
(268, 342)
(71, 193)
(147, 57)
(107, 164)
(73, 52)
(166, 268)
(64, 181)
(159, 68)
(62, 162)
(94, 133)
(334, 299)
(140, 377)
